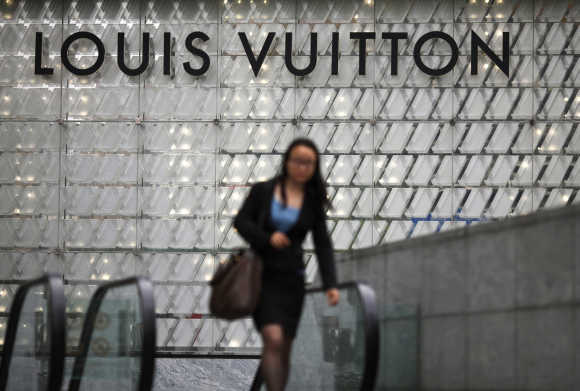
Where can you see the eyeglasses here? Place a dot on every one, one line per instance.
(302, 162)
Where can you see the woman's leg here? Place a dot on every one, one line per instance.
(274, 363)
(286, 350)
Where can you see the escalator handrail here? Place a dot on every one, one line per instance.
(371, 327)
(55, 328)
(147, 306)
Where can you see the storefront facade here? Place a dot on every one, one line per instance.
(140, 165)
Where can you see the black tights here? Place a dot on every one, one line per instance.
(275, 365)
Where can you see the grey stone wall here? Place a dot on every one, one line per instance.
(488, 307)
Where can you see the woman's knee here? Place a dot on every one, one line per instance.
(273, 337)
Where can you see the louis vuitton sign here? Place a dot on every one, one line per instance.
(256, 61)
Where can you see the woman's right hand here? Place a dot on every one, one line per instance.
(279, 240)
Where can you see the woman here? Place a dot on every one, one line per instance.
(274, 220)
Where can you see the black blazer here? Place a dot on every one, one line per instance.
(311, 217)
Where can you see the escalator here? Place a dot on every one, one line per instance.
(336, 348)
(34, 344)
(117, 345)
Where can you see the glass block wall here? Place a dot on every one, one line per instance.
(108, 175)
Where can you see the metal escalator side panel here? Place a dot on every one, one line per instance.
(146, 351)
(371, 335)
(56, 329)
(365, 323)
(145, 288)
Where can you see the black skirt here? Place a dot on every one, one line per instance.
(281, 300)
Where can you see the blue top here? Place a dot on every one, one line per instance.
(283, 218)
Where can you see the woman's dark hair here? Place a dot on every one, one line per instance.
(316, 184)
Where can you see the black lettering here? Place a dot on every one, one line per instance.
(477, 42)
(256, 64)
(313, 55)
(166, 53)
(100, 53)
(334, 64)
(197, 52)
(454, 53)
(121, 55)
(395, 49)
(38, 68)
(362, 49)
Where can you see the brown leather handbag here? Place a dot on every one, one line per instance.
(237, 283)
(236, 286)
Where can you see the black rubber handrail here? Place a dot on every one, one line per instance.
(55, 328)
(371, 328)
(147, 352)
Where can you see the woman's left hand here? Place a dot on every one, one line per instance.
(332, 296)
